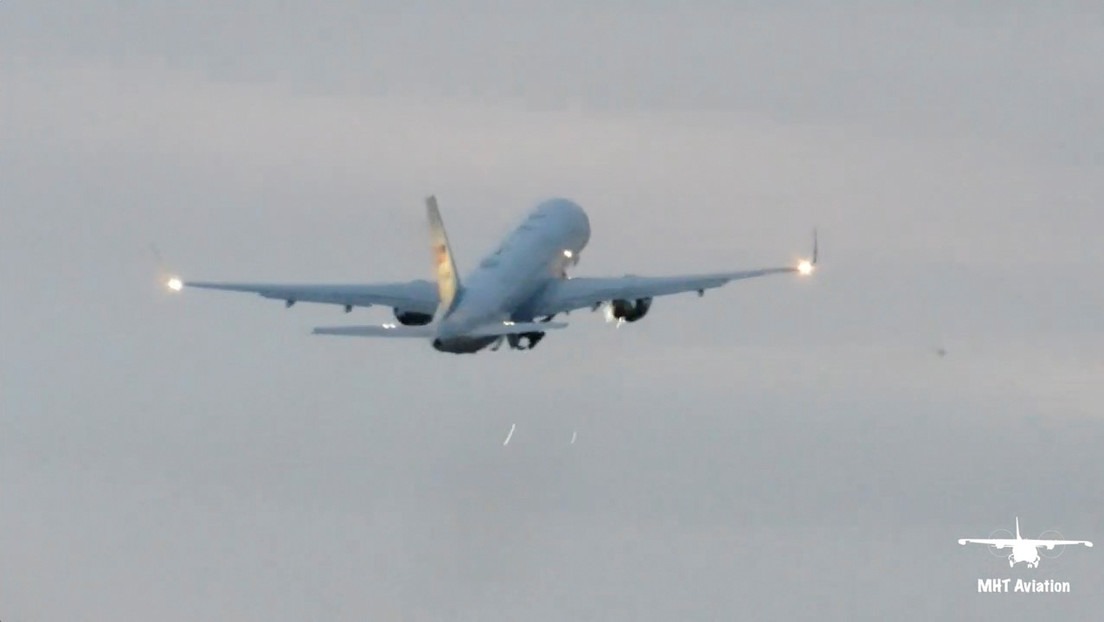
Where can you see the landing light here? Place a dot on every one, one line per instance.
(805, 268)
(175, 284)
(568, 253)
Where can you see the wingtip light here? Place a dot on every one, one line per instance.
(175, 284)
(805, 267)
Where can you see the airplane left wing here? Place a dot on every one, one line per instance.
(1050, 544)
(569, 294)
(415, 296)
(1000, 544)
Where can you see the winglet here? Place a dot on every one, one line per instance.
(805, 267)
(1018, 528)
(448, 282)
(165, 277)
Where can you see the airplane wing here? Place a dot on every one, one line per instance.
(999, 543)
(569, 294)
(416, 296)
(1050, 544)
(576, 293)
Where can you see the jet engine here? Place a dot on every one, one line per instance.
(412, 318)
(630, 310)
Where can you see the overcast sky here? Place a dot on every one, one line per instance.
(780, 449)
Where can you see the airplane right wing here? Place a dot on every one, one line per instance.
(413, 296)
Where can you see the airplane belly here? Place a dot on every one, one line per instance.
(462, 345)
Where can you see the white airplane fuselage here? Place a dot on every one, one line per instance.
(504, 284)
(1024, 551)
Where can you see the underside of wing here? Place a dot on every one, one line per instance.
(413, 296)
(578, 293)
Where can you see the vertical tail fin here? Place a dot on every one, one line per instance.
(448, 282)
(1018, 528)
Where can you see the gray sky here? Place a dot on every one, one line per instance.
(780, 449)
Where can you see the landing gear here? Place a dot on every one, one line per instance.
(524, 341)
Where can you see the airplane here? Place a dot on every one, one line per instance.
(1024, 550)
(514, 293)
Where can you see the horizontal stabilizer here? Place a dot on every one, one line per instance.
(513, 328)
(395, 330)
(384, 330)
(430, 331)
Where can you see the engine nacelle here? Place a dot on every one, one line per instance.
(412, 318)
(630, 310)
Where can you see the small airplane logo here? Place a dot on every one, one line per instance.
(1023, 550)
(440, 254)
